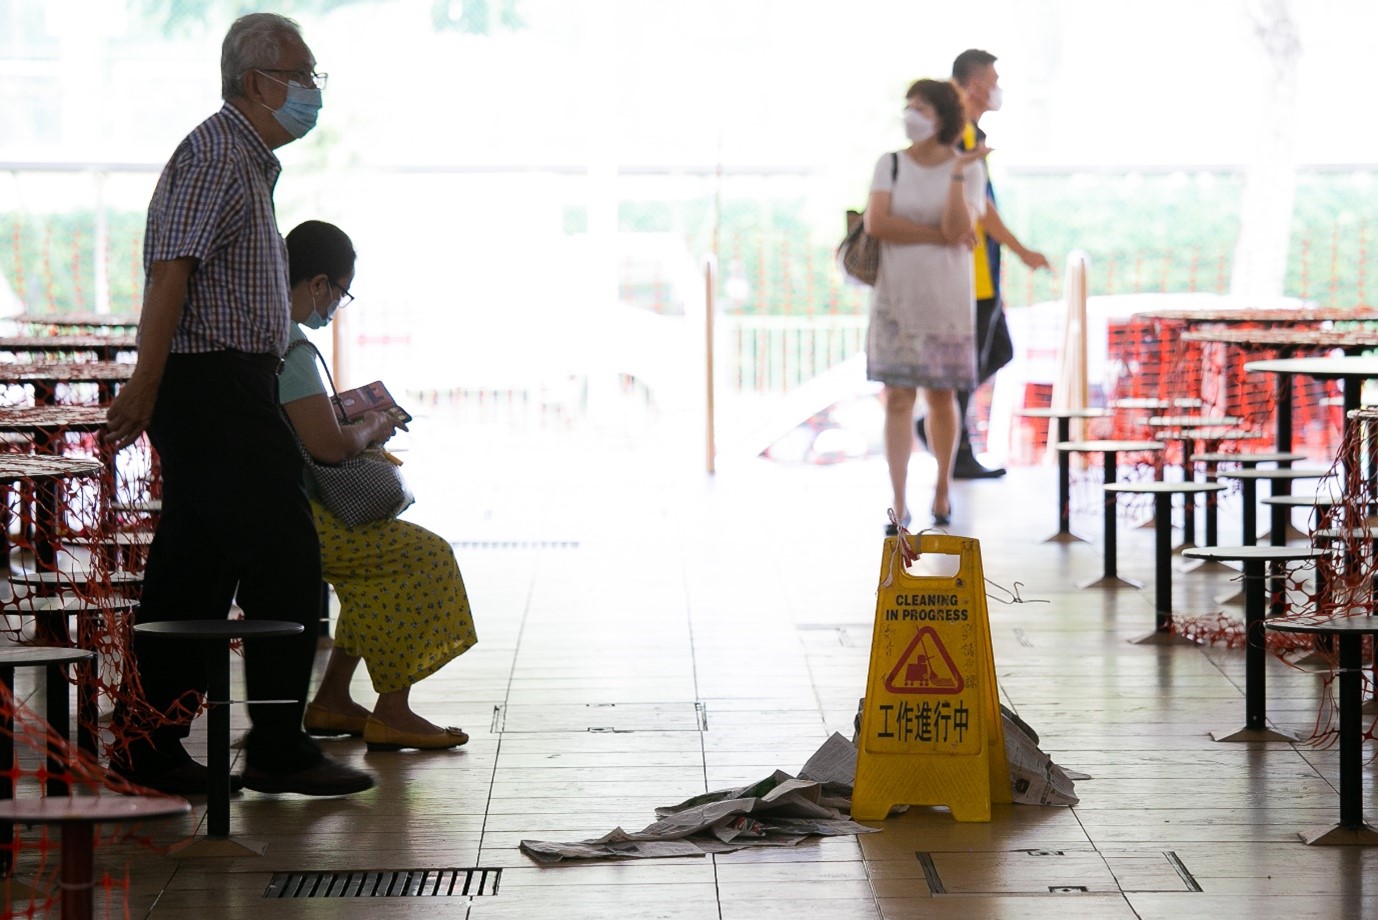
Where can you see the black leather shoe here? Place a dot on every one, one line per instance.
(185, 778)
(324, 777)
(966, 467)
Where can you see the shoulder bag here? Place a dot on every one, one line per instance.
(859, 252)
(360, 490)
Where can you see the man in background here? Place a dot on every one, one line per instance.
(974, 71)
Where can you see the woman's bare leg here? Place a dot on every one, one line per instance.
(943, 430)
(393, 709)
(333, 693)
(899, 441)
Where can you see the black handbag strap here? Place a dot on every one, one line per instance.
(320, 358)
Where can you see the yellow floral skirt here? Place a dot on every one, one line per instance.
(403, 608)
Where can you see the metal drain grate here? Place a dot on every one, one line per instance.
(385, 883)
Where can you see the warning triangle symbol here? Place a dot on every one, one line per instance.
(925, 667)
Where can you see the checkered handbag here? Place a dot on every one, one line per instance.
(366, 488)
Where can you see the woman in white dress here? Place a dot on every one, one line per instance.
(923, 308)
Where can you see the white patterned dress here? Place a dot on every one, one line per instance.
(923, 306)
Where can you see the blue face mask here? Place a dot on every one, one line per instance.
(298, 112)
(314, 320)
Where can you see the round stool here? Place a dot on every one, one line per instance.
(1350, 630)
(54, 611)
(1255, 650)
(1063, 418)
(1247, 460)
(78, 817)
(1162, 493)
(214, 637)
(1109, 451)
(56, 661)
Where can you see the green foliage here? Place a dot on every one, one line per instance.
(1142, 233)
(49, 259)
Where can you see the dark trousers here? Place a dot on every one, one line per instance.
(993, 351)
(235, 524)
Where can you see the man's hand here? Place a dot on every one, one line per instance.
(130, 413)
(1034, 260)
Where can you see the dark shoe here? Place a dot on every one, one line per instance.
(942, 518)
(324, 777)
(966, 467)
(326, 723)
(185, 778)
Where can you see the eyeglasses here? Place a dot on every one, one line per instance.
(304, 77)
(346, 298)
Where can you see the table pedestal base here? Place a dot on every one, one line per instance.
(1314, 662)
(1210, 566)
(1255, 734)
(18, 892)
(216, 848)
(1337, 835)
(1111, 581)
(1065, 536)
(1163, 638)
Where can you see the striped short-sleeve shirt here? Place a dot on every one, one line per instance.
(214, 203)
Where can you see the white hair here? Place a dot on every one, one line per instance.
(254, 42)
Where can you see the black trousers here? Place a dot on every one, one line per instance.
(235, 524)
(994, 350)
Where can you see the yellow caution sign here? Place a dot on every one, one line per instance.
(930, 724)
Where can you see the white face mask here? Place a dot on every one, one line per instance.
(918, 126)
(995, 99)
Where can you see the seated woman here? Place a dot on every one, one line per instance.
(403, 608)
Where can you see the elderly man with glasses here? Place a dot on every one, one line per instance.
(235, 523)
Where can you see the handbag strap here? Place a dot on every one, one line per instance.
(320, 358)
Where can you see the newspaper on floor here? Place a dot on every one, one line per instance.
(778, 811)
(1034, 778)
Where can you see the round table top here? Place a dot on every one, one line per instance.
(91, 809)
(1306, 501)
(1157, 488)
(1250, 457)
(220, 629)
(25, 656)
(1355, 625)
(89, 318)
(1262, 314)
(1287, 337)
(1358, 532)
(1108, 446)
(68, 603)
(1064, 413)
(1324, 368)
(1192, 421)
(1255, 553)
(34, 418)
(1152, 402)
(85, 372)
(1287, 473)
(84, 342)
(42, 466)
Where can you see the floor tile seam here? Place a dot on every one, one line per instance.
(533, 574)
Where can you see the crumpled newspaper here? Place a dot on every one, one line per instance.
(779, 811)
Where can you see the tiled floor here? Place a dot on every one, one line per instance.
(648, 632)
